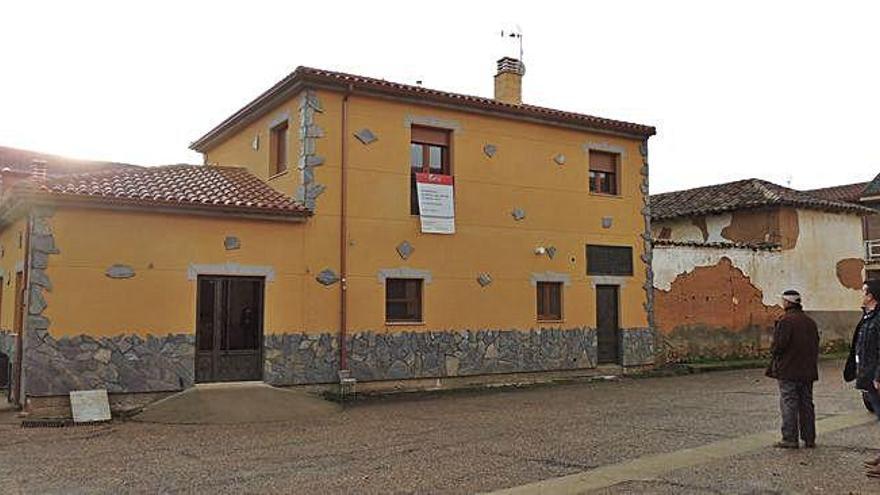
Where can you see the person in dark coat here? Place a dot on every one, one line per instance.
(795, 365)
(863, 364)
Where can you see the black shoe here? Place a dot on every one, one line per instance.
(810, 445)
(785, 444)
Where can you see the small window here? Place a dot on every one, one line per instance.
(278, 148)
(549, 301)
(609, 260)
(428, 153)
(603, 172)
(403, 300)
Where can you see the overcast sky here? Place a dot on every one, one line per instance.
(784, 91)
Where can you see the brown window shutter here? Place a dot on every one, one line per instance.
(601, 161)
(430, 135)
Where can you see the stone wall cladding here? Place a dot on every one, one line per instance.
(296, 358)
(7, 344)
(309, 132)
(293, 359)
(124, 363)
(637, 346)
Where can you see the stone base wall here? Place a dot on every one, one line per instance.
(295, 359)
(7, 347)
(7, 344)
(637, 347)
(704, 342)
(133, 364)
(125, 363)
(836, 327)
(701, 342)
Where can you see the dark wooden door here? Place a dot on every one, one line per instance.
(607, 323)
(17, 324)
(229, 329)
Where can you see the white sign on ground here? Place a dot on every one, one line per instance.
(436, 203)
(88, 406)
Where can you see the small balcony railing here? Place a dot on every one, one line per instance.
(872, 251)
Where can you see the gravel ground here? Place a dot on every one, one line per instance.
(448, 443)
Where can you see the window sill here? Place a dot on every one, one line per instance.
(606, 195)
(404, 323)
(551, 321)
(279, 174)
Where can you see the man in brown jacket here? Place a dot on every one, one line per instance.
(795, 365)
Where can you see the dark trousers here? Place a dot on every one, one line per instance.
(798, 413)
(874, 398)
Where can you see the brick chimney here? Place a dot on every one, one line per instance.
(508, 80)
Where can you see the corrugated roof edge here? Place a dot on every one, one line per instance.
(307, 76)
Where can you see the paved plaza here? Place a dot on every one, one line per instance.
(703, 434)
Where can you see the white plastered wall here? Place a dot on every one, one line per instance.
(810, 268)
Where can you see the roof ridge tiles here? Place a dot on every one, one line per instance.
(303, 77)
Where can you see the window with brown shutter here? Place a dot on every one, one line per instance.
(429, 153)
(403, 300)
(278, 147)
(549, 301)
(603, 172)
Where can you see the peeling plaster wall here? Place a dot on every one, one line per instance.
(811, 266)
(700, 229)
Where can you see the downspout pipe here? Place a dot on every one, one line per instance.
(20, 348)
(343, 243)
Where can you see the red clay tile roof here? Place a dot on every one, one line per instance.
(849, 193)
(20, 160)
(740, 195)
(309, 77)
(192, 187)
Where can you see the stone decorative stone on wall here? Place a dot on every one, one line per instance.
(309, 132)
(405, 249)
(124, 363)
(551, 252)
(298, 359)
(518, 214)
(647, 257)
(637, 346)
(559, 159)
(484, 279)
(327, 277)
(607, 222)
(294, 358)
(120, 271)
(366, 136)
(490, 150)
(231, 243)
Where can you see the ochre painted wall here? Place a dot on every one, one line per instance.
(560, 212)
(160, 298)
(12, 248)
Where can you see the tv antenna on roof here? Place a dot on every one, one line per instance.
(517, 35)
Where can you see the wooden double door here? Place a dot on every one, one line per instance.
(229, 329)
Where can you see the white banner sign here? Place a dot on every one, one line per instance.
(436, 203)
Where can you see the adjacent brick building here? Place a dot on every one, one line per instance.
(725, 253)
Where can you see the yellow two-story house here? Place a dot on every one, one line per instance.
(341, 228)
